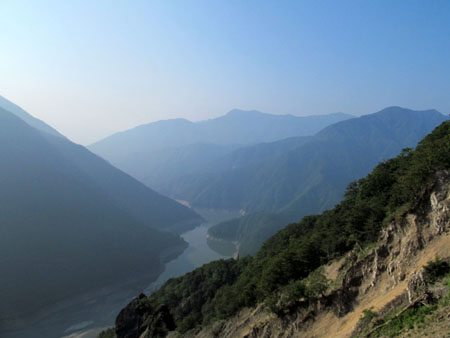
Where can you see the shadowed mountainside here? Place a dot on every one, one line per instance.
(71, 223)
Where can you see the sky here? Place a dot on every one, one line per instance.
(92, 68)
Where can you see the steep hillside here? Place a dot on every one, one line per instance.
(130, 149)
(66, 227)
(315, 278)
(144, 204)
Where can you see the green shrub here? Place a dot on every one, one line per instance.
(316, 283)
(368, 315)
(409, 320)
(436, 269)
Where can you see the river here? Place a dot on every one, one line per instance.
(195, 255)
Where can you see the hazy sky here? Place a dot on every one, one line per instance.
(90, 68)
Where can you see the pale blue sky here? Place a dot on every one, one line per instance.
(90, 68)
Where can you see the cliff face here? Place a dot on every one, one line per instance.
(387, 276)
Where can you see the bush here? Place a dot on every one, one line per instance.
(368, 316)
(436, 269)
(409, 320)
(316, 283)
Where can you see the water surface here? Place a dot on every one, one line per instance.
(197, 254)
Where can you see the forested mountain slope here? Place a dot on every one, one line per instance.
(309, 177)
(291, 175)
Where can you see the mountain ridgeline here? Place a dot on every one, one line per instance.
(161, 151)
(287, 275)
(71, 223)
(30, 120)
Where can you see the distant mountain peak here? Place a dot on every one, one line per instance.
(236, 111)
(339, 113)
(179, 121)
(397, 109)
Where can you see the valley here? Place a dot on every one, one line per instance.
(272, 183)
(224, 169)
(234, 203)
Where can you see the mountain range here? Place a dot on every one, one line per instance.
(275, 176)
(73, 223)
(158, 152)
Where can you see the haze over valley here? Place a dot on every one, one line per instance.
(227, 169)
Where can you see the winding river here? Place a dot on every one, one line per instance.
(197, 254)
